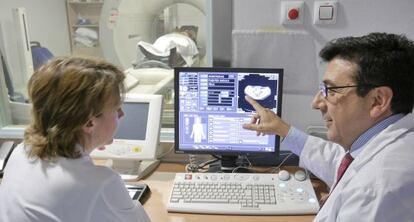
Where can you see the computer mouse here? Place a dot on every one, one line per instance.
(284, 175)
(300, 175)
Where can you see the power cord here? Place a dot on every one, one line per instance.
(243, 163)
(276, 169)
(193, 166)
(283, 161)
(241, 166)
(162, 155)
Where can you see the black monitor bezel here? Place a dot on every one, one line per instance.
(177, 70)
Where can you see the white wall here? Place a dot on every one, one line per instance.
(355, 17)
(47, 24)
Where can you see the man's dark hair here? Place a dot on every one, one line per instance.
(383, 60)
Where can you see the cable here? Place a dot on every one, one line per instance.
(204, 167)
(248, 167)
(284, 160)
(208, 162)
(193, 166)
(276, 168)
(162, 155)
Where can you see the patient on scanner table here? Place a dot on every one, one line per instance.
(176, 49)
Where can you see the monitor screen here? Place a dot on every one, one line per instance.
(134, 123)
(210, 109)
(137, 136)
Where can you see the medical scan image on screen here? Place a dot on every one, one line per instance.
(212, 109)
(261, 88)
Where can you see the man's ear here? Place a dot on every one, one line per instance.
(381, 101)
(89, 126)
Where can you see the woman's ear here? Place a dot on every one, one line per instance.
(381, 104)
(89, 126)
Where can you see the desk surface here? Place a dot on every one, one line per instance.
(160, 183)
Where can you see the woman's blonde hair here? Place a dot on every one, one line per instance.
(65, 93)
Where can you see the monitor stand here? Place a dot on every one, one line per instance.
(132, 170)
(228, 164)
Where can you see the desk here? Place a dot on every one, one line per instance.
(160, 182)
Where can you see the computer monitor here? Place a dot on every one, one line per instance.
(136, 142)
(210, 109)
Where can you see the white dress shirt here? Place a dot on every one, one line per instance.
(64, 190)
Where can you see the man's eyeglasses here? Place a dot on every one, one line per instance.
(324, 89)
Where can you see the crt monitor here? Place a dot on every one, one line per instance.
(137, 137)
(210, 109)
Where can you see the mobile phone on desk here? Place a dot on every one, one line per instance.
(139, 192)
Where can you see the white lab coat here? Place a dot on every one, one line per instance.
(377, 186)
(64, 191)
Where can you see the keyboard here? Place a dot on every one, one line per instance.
(243, 194)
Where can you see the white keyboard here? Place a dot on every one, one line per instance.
(236, 193)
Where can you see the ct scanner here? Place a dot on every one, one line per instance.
(124, 23)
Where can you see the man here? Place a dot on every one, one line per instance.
(366, 100)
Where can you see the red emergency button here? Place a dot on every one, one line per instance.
(293, 14)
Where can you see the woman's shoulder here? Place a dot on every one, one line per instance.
(98, 172)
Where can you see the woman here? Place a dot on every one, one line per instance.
(50, 176)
